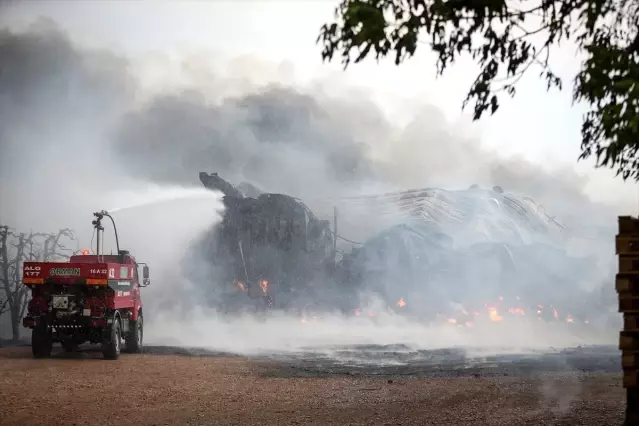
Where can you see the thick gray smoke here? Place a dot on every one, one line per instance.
(58, 105)
(72, 129)
(278, 138)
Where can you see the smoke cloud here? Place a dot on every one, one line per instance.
(77, 135)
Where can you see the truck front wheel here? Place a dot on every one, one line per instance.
(111, 345)
(41, 341)
(134, 338)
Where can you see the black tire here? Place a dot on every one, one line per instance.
(134, 338)
(112, 344)
(68, 346)
(41, 342)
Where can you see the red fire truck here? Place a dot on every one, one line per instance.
(91, 298)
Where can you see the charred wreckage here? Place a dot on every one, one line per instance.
(271, 252)
(269, 247)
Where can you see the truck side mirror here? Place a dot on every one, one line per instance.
(145, 272)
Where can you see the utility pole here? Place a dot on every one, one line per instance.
(335, 235)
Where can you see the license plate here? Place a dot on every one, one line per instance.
(60, 302)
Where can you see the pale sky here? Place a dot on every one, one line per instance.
(546, 124)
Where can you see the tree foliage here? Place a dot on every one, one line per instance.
(507, 39)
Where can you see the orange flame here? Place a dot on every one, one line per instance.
(493, 314)
(240, 285)
(264, 286)
(517, 311)
(401, 303)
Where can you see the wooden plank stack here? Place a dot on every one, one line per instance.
(627, 284)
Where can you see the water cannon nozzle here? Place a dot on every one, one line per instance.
(101, 214)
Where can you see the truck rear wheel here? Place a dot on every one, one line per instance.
(134, 338)
(69, 346)
(111, 345)
(41, 342)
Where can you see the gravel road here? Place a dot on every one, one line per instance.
(173, 386)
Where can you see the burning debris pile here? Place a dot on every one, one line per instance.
(454, 256)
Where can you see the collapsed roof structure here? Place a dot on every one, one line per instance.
(451, 246)
(465, 216)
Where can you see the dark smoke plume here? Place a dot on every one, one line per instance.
(279, 138)
(57, 103)
(282, 138)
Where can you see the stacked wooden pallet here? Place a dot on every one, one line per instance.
(627, 284)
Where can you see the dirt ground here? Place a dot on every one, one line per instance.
(83, 389)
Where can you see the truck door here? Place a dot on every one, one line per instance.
(124, 286)
(135, 288)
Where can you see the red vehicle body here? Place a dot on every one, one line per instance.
(90, 298)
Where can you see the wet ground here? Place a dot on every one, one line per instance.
(400, 360)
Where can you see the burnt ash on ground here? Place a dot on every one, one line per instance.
(400, 360)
